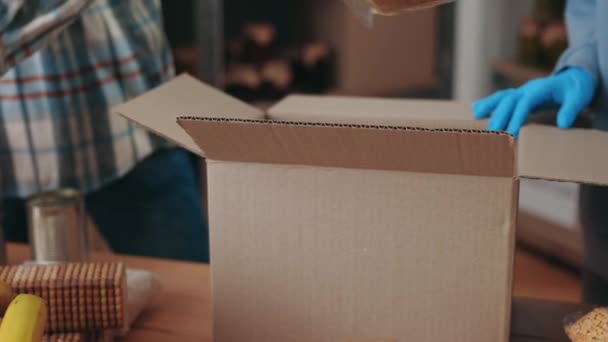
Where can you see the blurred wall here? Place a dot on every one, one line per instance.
(290, 17)
(397, 55)
(486, 31)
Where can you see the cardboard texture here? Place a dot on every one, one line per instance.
(354, 146)
(158, 109)
(375, 111)
(305, 197)
(575, 155)
(302, 265)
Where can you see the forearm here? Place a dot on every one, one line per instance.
(27, 25)
(582, 38)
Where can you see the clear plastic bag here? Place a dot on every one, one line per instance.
(587, 325)
(366, 9)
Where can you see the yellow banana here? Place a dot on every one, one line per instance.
(6, 296)
(24, 320)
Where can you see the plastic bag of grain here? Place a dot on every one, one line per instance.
(587, 325)
(366, 9)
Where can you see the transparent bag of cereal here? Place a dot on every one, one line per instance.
(590, 324)
(366, 9)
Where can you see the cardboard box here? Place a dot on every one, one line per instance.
(350, 219)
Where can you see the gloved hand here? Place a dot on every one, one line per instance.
(572, 89)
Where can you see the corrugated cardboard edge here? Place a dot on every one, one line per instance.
(543, 152)
(158, 109)
(449, 151)
(574, 155)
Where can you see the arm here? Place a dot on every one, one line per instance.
(572, 85)
(582, 38)
(26, 26)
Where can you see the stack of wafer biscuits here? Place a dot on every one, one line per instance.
(591, 327)
(81, 297)
(73, 337)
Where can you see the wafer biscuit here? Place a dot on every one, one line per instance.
(80, 297)
(590, 328)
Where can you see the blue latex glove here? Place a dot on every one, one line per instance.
(572, 89)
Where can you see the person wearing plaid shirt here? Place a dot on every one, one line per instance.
(64, 64)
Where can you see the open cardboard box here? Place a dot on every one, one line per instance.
(350, 219)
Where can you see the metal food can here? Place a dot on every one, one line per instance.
(57, 227)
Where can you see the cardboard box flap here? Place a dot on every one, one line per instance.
(376, 111)
(354, 146)
(574, 155)
(158, 109)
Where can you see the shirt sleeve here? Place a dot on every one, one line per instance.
(582, 39)
(27, 25)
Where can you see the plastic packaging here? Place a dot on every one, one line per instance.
(142, 288)
(587, 325)
(366, 9)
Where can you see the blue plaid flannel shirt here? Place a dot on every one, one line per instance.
(64, 63)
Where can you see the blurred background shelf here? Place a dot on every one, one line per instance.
(401, 56)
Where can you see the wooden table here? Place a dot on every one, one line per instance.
(182, 310)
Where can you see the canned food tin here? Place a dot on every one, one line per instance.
(57, 227)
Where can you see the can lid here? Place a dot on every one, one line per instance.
(55, 197)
